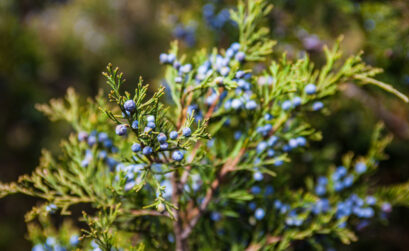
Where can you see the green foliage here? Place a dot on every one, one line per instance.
(149, 199)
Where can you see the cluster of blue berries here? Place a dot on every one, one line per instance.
(161, 138)
(215, 20)
(52, 244)
(102, 140)
(185, 33)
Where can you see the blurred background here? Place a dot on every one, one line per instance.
(48, 45)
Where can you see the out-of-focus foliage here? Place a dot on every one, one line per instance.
(46, 46)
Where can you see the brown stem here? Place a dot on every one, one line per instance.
(196, 213)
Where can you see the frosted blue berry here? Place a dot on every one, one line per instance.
(82, 136)
(92, 140)
(286, 105)
(121, 130)
(173, 135)
(186, 68)
(147, 130)
(317, 106)
(135, 125)
(151, 125)
(301, 141)
(370, 200)
(150, 118)
(215, 216)
(162, 138)
(178, 79)
(38, 247)
(272, 141)
(348, 181)
(164, 146)
(74, 240)
(386, 207)
(136, 147)
(102, 154)
(320, 190)
(258, 176)
(186, 131)
(130, 105)
(360, 167)
(171, 58)
(224, 71)
(310, 89)
(296, 101)
(240, 56)
(147, 150)
(270, 153)
(240, 74)
(293, 143)
(251, 105)
(255, 190)
(268, 116)
(261, 147)
(259, 214)
(102, 137)
(236, 104)
(163, 58)
(235, 46)
(177, 155)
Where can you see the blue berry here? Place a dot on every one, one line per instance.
(177, 155)
(240, 74)
(310, 89)
(164, 146)
(259, 214)
(360, 167)
(348, 181)
(173, 135)
(286, 105)
(258, 176)
(301, 141)
(178, 79)
(82, 136)
(317, 106)
(147, 130)
(296, 101)
(270, 153)
(130, 105)
(186, 131)
(74, 240)
(320, 190)
(370, 200)
(186, 68)
(235, 46)
(215, 216)
(240, 56)
(236, 104)
(92, 140)
(255, 190)
(261, 147)
(268, 116)
(171, 58)
(251, 105)
(151, 125)
(102, 137)
(224, 71)
(163, 58)
(147, 150)
(135, 124)
(136, 147)
(121, 130)
(150, 118)
(162, 138)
